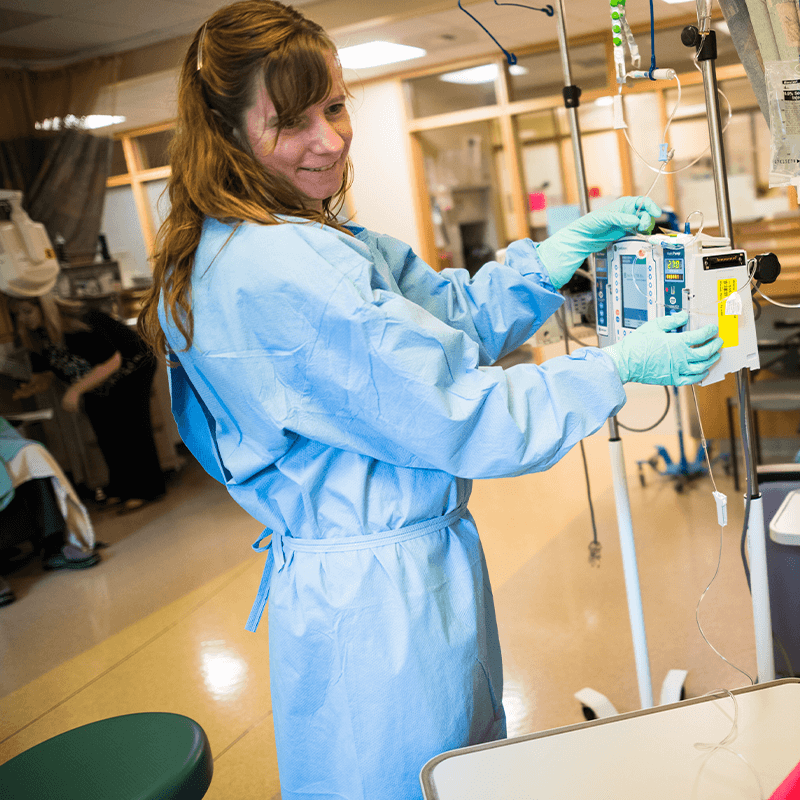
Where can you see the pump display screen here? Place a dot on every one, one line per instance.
(634, 291)
(673, 268)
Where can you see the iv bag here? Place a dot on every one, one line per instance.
(783, 91)
(704, 15)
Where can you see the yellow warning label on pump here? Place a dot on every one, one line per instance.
(728, 323)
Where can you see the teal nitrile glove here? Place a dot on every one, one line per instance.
(651, 354)
(564, 251)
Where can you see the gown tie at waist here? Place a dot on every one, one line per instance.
(279, 543)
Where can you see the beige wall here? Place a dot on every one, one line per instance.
(143, 101)
(381, 194)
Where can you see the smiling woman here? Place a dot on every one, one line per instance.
(311, 151)
(260, 109)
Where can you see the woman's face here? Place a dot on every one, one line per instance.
(29, 315)
(312, 154)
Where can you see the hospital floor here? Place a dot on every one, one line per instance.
(158, 625)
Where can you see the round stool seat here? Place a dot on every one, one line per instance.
(141, 756)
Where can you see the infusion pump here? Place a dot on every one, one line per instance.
(639, 278)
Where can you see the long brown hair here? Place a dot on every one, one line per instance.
(214, 173)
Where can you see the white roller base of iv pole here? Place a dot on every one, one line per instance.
(597, 706)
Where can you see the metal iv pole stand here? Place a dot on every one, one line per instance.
(594, 703)
(762, 620)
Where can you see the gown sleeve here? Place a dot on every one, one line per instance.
(499, 308)
(297, 337)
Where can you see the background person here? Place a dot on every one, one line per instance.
(106, 365)
(343, 392)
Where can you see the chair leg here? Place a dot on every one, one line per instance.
(732, 438)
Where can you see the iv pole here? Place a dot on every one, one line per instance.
(592, 700)
(705, 42)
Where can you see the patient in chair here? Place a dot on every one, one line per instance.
(39, 505)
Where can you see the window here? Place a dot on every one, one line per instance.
(672, 53)
(118, 164)
(135, 204)
(120, 225)
(645, 131)
(464, 188)
(546, 174)
(154, 148)
(453, 91)
(542, 74)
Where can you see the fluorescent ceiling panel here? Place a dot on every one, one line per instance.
(486, 73)
(376, 54)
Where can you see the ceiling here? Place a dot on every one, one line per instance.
(47, 33)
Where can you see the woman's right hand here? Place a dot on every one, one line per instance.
(655, 354)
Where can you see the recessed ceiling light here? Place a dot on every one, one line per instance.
(486, 73)
(376, 54)
(675, 2)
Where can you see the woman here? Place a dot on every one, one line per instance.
(343, 392)
(108, 366)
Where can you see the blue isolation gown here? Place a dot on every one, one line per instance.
(344, 392)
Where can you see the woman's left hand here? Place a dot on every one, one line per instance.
(71, 400)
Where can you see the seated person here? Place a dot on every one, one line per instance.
(39, 505)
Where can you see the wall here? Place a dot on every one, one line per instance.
(381, 194)
(146, 100)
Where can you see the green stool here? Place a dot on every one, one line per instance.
(152, 756)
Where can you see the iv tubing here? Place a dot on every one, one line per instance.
(669, 121)
(719, 558)
(775, 302)
(712, 747)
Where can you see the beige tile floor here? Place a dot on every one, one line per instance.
(159, 624)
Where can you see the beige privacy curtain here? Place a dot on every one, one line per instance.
(763, 30)
(69, 187)
(62, 173)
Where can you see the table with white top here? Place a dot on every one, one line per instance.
(645, 754)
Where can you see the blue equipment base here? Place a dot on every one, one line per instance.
(682, 471)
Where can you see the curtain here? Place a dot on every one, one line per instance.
(18, 116)
(62, 174)
(28, 96)
(762, 30)
(63, 177)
